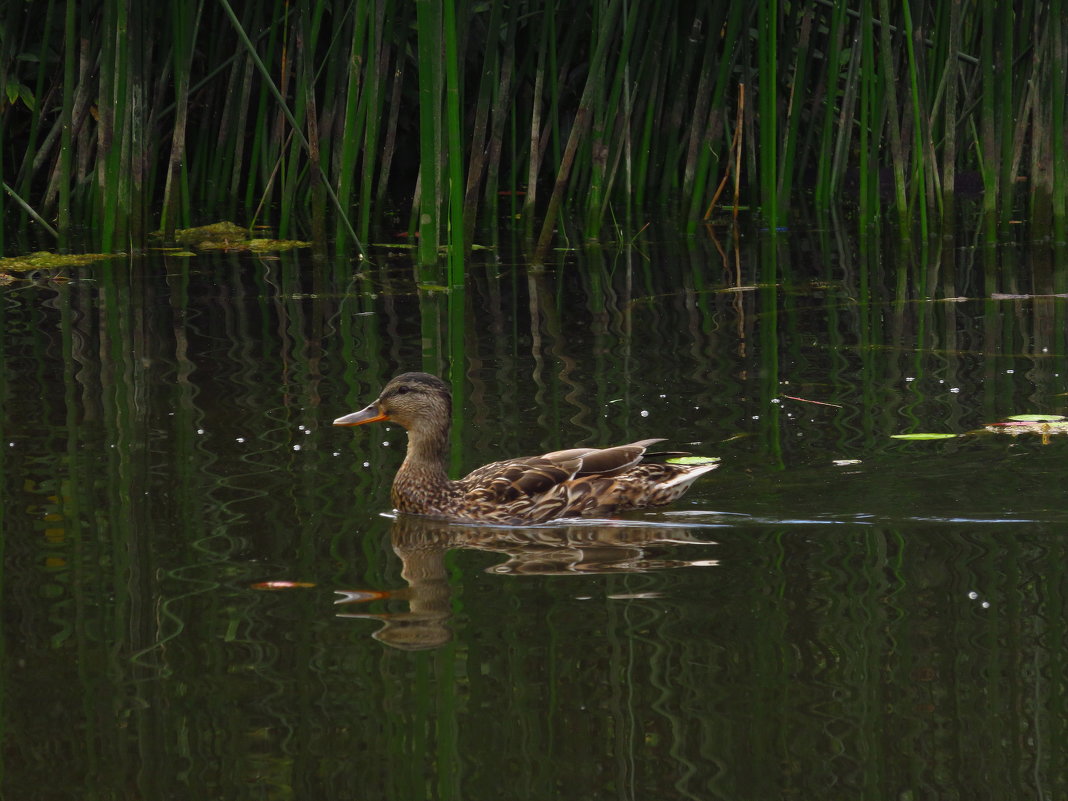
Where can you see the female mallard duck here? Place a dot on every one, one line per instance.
(581, 482)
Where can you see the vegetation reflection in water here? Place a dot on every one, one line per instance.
(884, 616)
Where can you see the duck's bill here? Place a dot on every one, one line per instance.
(369, 415)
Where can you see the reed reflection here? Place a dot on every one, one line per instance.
(557, 550)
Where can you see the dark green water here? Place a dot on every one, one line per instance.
(831, 614)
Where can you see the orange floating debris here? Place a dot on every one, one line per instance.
(282, 585)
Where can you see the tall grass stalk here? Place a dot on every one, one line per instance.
(353, 113)
(767, 56)
(455, 149)
(606, 25)
(28, 209)
(183, 47)
(833, 101)
(123, 118)
(1058, 82)
(428, 23)
(284, 108)
(66, 144)
(889, 88)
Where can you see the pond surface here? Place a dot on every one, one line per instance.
(205, 596)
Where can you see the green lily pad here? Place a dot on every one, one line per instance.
(692, 460)
(923, 436)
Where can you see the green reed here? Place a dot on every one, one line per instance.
(333, 118)
(428, 23)
(1058, 93)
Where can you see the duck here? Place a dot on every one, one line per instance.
(572, 483)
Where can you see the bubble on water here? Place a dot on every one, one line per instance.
(645, 412)
(296, 447)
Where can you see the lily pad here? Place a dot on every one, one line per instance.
(923, 436)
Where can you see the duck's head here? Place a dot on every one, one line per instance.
(411, 400)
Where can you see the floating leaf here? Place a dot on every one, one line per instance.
(692, 460)
(1036, 418)
(43, 260)
(923, 436)
(1046, 427)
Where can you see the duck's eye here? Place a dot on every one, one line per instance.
(402, 390)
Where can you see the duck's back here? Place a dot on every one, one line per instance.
(580, 482)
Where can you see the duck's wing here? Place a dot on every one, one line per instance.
(534, 476)
(609, 461)
(504, 482)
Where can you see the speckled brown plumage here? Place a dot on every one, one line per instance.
(579, 482)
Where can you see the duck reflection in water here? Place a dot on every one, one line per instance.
(421, 545)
